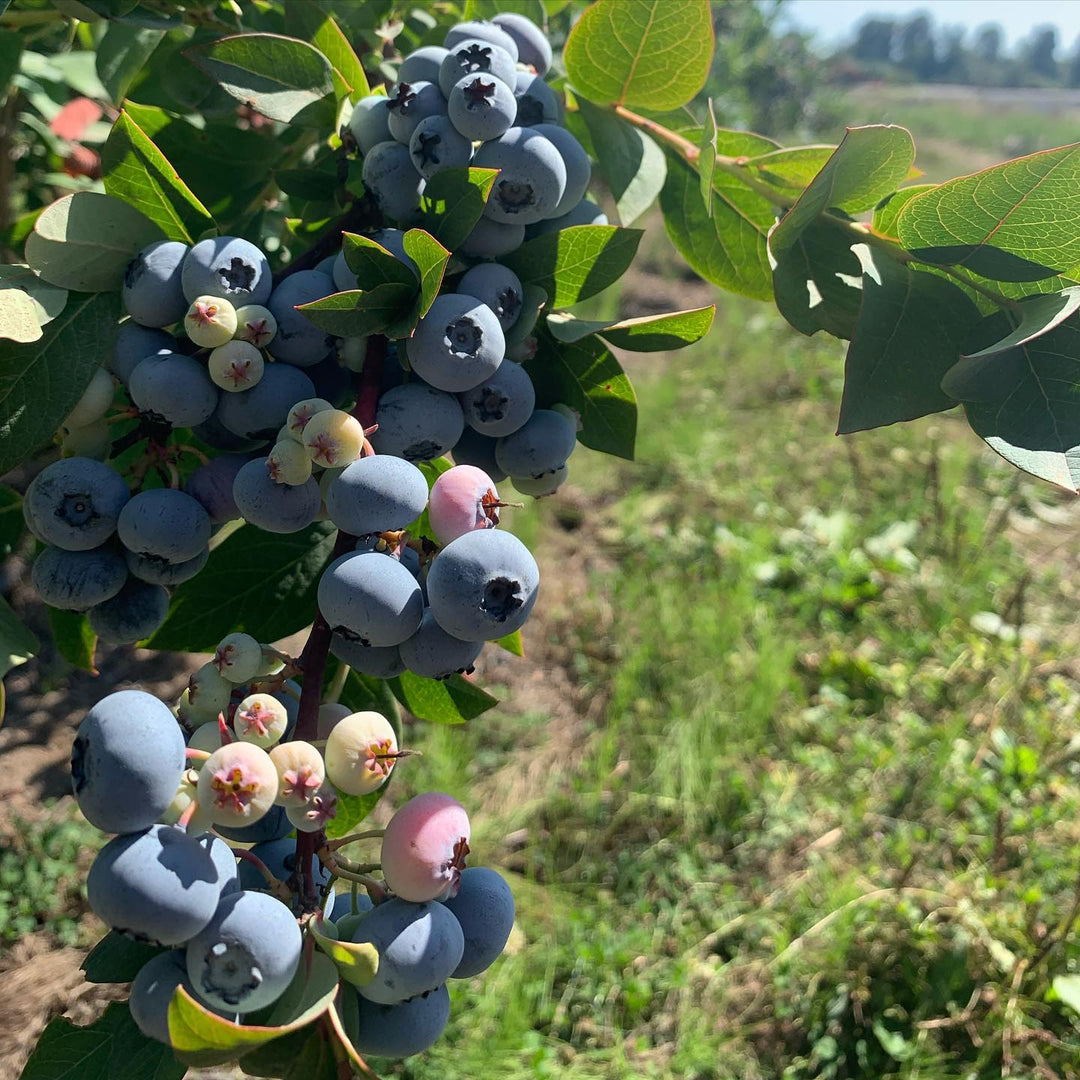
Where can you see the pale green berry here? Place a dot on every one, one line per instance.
(255, 324)
(302, 412)
(235, 366)
(210, 321)
(360, 752)
(94, 403)
(238, 657)
(237, 784)
(288, 463)
(300, 770)
(260, 719)
(334, 438)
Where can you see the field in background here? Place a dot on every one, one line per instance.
(787, 784)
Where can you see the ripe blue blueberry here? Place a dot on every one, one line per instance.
(398, 1031)
(214, 433)
(472, 56)
(483, 585)
(247, 955)
(479, 450)
(135, 343)
(380, 662)
(164, 524)
(537, 103)
(279, 857)
(433, 654)
(152, 990)
(457, 344)
(534, 49)
(76, 502)
(174, 389)
(417, 422)
(369, 598)
(158, 885)
(540, 446)
(481, 30)
(344, 278)
(211, 485)
(273, 825)
(134, 613)
(229, 267)
(538, 486)
(484, 908)
(76, 580)
(127, 761)
(419, 947)
(531, 180)
(370, 122)
(499, 405)
(152, 292)
(340, 904)
(376, 494)
(481, 107)
(277, 508)
(496, 286)
(298, 340)
(491, 239)
(411, 102)
(437, 144)
(224, 858)
(258, 413)
(422, 65)
(578, 166)
(158, 572)
(392, 180)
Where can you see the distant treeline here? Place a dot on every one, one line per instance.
(915, 49)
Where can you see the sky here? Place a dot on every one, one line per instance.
(835, 20)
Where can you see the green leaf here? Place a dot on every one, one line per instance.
(372, 264)
(453, 202)
(633, 165)
(304, 20)
(40, 383)
(791, 168)
(1025, 208)
(533, 301)
(111, 1048)
(911, 329)
(588, 378)
(85, 241)
(116, 958)
(512, 643)
(1029, 405)
(447, 701)
(727, 248)
(17, 643)
(647, 333)
(817, 282)
(27, 303)
(281, 77)
(136, 171)
(74, 639)
(305, 1054)
(1067, 989)
(18, 316)
(311, 185)
(121, 54)
(654, 53)
(431, 258)
(356, 314)
(1038, 315)
(485, 9)
(356, 962)
(10, 50)
(869, 163)
(261, 583)
(888, 210)
(574, 264)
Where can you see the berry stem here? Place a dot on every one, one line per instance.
(341, 841)
(367, 391)
(251, 857)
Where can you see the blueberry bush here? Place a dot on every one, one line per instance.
(266, 369)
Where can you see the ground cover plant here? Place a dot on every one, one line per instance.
(427, 242)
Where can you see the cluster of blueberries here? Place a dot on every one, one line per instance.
(229, 934)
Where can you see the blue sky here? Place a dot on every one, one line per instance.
(834, 20)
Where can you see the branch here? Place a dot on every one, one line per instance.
(370, 380)
(360, 215)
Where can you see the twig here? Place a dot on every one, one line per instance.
(360, 215)
(370, 380)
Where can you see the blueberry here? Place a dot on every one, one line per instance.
(578, 166)
(247, 955)
(134, 613)
(127, 761)
(496, 286)
(484, 908)
(457, 344)
(273, 825)
(340, 905)
(376, 494)
(258, 413)
(158, 572)
(75, 503)
(499, 405)
(481, 107)
(94, 403)
(229, 267)
(277, 508)
(158, 885)
(398, 1031)
(537, 103)
(411, 102)
(534, 49)
(135, 343)
(422, 65)
(380, 662)
(214, 433)
(211, 485)
(482, 30)
(332, 381)
(298, 340)
(538, 486)
(483, 585)
(153, 989)
(279, 856)
(419, 947)
(433, 654)
(344, 278)
(417, 422)
(479, 450)
(437, 144)
(585, 213)
(370, 122)
(164, 524)
(532, 176)
(472, 56)
(368, 598)
(392, 180)
(152, 291)
(174, 389)
(394, 242)
(540, 446)
(76, 580)
(224, 859)
(490, 239)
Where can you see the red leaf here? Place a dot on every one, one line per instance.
(75, 117)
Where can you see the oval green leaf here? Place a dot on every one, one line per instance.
(447, 701)
(647, 333)
(650, 53)
(357, 963)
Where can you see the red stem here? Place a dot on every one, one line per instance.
(370, 380)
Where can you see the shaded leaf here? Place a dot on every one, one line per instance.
(356, 313)
(121, 55)
(73, 638)
(17, 643)
(1038, 315)
(485, 9)
(985, 260)
(453, 202)
(11, 520)
(10, 48)
(888, 210)
(447, 701)
(304, 20)
(790, 168)
(356, 963)
(116, 958)
(372, 264)
(430, 257)
(647, 333)
(27, 303)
